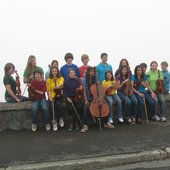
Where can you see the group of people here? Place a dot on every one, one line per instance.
(133, 93)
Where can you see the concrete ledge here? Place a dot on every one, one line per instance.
(94, 163)
(17, 116)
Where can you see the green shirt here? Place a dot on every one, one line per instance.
(152, 76)
(9, 80)
(26, 72)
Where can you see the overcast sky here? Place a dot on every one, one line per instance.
(138, 30)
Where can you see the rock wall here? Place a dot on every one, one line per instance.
(17, 116)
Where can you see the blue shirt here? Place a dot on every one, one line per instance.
(140, 88)
(64, 70)
(166, 80)
(70, 86)
(101, 70)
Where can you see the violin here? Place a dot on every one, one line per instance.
(31, 93)
(159, 84)
(79, 92)
(128, 88)
(18, 84)
(110, 89)
(98, 107)
(58, 92)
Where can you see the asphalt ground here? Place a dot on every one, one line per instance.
(25, 147)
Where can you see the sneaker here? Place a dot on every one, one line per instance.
(156, 117)
(139, 120)
(34, 127)
(110, 120)
(163, 119)
(133, 121)
(55, 128)
(129, 120)
(109, 125)
(61, 122)
(120, 119)
(47, 127)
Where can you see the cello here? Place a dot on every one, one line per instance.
(98, 107)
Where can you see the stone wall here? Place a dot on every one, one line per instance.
(17, 116)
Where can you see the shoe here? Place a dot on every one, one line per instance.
(129, 120)
(120, 119)
(139, 120)
(70, 129)
(109, 125)
(163, 119)
(55, 128)
(156, 117)
(84, 129)
(34, 127)
(61, 122)
(110, 120)
(133, 121)
(47, 127)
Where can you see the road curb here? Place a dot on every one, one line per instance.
(94, 163)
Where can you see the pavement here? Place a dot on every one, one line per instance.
(92, 150)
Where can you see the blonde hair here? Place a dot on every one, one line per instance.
(29, 66)
(84, 56)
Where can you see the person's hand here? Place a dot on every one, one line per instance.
(69, 100)
(18, 100)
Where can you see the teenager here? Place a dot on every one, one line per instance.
(83, 68)
(30, 67)
(124, 90)
(166, 77)
(123, 62)
(38, 89)
(65, 68)
(53, 63)
(12, 93)
(155, 78)
(110, 86)
(103, 67)
(139, 85)
(70, 86)
(54, 85)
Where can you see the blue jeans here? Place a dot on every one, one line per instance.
(140, 107)
(42, 104)
(130, 103)
(12, 100)
(118, 102)
(161, 101)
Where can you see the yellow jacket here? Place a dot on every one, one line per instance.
(50, 85)
(108, 83)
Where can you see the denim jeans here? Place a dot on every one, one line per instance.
(161, 101)
(130, 103)
(140, 107)
(42, 104)
(58, 110)
(118, 102)
(12, 100)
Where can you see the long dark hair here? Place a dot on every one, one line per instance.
(127, 74)
(58, 72)
(135, 72)
(87, 77)
(112, 78)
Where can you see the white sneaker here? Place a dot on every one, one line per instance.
(121, 119)
(110, 120)
(157, 118)
(61, 122)
(109, 125)
(34, 127)
(47, 127)
(55, 128)
(163, 119)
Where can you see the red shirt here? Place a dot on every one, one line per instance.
(40, 86)
(82, 71)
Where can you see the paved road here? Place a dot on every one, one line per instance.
(21, 147)
(155, 165)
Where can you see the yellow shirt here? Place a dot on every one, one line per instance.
(106, 84)
(50, 84)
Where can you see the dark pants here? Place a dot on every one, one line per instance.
(12, 100)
